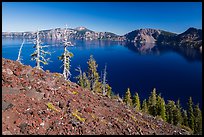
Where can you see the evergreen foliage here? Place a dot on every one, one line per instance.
(179, 114)
(144, 106)
(92, 81)
(93, 75)
(198, 120)
(108, 90)
(171, 112)
(170, 107)
(127, 98)
(185, 118)
(161, 109)
(152, 103)
(86, 81)
(190, 113)
(136, 102)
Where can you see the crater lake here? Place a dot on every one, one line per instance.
(175, 72)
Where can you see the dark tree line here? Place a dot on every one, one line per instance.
(171, 112)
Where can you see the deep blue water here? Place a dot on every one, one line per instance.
(176, 73)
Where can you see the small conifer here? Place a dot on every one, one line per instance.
(127, 98)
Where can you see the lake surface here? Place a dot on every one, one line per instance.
(176, 73)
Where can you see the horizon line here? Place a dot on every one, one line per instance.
(96, 31)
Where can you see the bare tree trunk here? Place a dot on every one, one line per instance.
(19, 53)
(38, 52)
(65, 61)
(104, 81)
(68, 62)
(66, 55)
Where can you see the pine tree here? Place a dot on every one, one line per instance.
(65, 57)
(144, 106)
(39, 53)
(86, 81)
(198, 120)
(108, 90)
(161, 110)
(176, 116)
(127, 98)
(170, 107)
(191, 117)
(179, 115)
(185, 118)
(152, 103)
(136, 102)
(172, 113)
(98, 87)
(158, 105)
(93, 75)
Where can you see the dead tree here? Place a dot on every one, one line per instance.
(65, 57)
(104, 82)
(19, 53)
(39, 54)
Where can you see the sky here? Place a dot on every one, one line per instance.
(116, 17)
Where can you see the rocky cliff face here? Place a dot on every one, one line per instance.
(38, 102)
(143, 35)
(77, 33)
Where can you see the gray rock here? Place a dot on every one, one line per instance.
(6, 105)
(23, 128)
(34, 94)
(8, 90)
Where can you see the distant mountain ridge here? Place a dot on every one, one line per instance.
(190, 38)
(77, 33)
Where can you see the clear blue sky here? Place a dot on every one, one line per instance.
(117, 17)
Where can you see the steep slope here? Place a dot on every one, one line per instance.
(38, 102)
(143, 35)
(148, 35)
